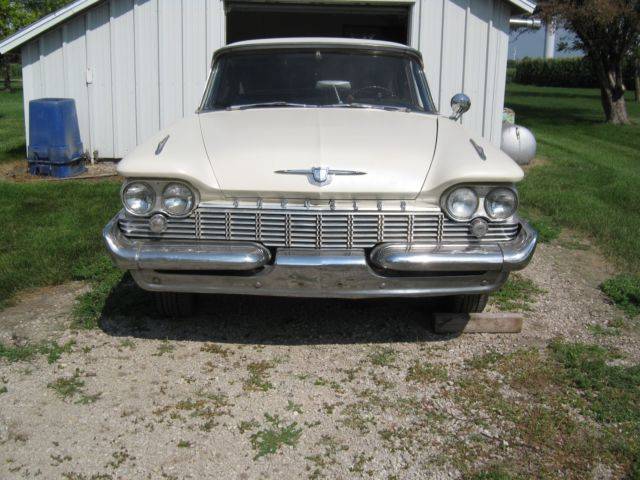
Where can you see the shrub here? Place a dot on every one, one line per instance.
(562, 72)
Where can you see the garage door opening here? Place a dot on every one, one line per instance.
(247, 21)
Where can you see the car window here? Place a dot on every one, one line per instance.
(316, 77)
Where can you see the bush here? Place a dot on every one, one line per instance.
(562, 72)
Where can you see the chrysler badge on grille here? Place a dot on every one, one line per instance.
(319, 175)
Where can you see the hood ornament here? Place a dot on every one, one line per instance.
(320, 176)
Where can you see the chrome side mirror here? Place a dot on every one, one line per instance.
(460, 104)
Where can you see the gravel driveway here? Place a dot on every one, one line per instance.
(273, 388)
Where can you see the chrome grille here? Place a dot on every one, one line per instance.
(317, 229)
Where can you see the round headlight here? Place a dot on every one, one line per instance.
(138, 198)
(177, 199)
(462, 203)
(501, 203)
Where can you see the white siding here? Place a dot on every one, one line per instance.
(135, 66)
(75, 73)
(464, 44)
(146, 56)
(99, 70)
(170, 57)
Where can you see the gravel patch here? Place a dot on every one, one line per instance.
(270, 388)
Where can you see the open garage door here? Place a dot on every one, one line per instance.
(252, 20)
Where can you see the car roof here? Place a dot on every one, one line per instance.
(296, 42)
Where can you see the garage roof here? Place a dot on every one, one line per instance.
(57, 17)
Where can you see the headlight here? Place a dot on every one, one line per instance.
(138, 198)
(501, 203)
(177, 199)
(462, 203)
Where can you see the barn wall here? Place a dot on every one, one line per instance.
(132, 66)
(464, 44)
(135, 66)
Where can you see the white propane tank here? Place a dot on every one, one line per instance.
(519, 143)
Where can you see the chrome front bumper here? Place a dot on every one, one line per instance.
(389, 270)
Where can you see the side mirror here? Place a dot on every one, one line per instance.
(460, 104)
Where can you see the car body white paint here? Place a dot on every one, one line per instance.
(406, 155)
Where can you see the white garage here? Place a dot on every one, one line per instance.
(135, 66)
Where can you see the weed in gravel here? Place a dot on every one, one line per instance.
(602, 331)
(383, 357)
(517, 295)
(268, 440)
(164, 347)
(59, 459)
(294, 407)
(18, 353)
(3, 389)
(624, 291)
(119, 457)
(184, 444)
(331, 448)
(359, 461)
(21, 353)
(248, 425)
(215, 349)
(424, 372)
(55, 351)
(258, 379)
(69, 387)
(484, 361)
(128, 343)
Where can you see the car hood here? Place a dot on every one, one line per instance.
(246, 149)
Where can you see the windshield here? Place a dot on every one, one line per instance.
(317, 78)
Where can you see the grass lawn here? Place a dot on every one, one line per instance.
(590, 179)
(12, 141)
(51, 230)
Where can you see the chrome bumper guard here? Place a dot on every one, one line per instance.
(391, 269)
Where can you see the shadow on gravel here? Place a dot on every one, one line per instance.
(129, 311)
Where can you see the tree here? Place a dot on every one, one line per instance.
(16, 14)
(607, 31)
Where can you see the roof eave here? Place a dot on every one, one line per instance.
(527, 6)
(45, 23)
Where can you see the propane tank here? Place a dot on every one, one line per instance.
(519, 143)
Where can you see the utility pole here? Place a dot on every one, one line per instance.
(550, 41)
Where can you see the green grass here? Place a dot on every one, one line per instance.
(624, 290)
(52, 233)
(518, 294)
(12, 140)
(590, 180)
(570, 408)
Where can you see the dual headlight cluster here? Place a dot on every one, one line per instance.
(463, 203)
(175, 199)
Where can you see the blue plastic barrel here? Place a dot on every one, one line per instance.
(55, 147)
(54, 135)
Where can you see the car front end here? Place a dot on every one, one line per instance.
(354, 191)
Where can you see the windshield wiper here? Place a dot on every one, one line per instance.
(392, 108)
(269, 105)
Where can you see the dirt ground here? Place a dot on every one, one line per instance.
(256, 387)
(17, 171)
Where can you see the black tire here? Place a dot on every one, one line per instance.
(175, 305)
(467, 303)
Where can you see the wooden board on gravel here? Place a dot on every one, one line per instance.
(498, 322)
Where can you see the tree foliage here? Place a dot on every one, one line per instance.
(17, 14)
(607, 30)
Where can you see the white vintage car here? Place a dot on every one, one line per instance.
(319, 167)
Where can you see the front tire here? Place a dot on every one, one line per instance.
(467, 303)
(175, 305)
